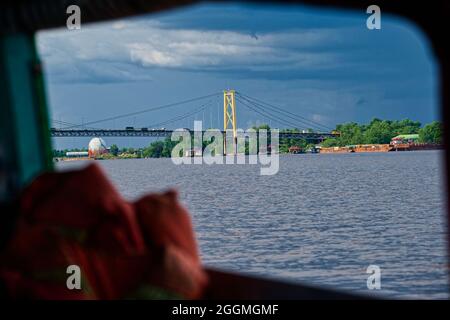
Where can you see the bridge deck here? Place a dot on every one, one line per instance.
(165, 133)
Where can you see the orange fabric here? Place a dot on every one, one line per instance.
(78, 218)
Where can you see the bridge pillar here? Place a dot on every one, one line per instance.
(229, 119)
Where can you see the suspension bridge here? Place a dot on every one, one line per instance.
(291, 125)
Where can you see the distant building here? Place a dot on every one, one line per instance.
(77, 154)
(405, 139)
(194, 152)
(97, 146)
(295, 149)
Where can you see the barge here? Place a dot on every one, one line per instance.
(382, 148)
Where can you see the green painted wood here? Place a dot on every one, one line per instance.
(25, 146)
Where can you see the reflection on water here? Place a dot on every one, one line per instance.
(323, 219)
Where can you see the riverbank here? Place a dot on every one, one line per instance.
(59, 159)
(382, 148)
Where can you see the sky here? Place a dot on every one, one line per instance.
(323, 65)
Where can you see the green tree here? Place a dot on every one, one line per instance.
(405, 126)
(114, 149)
(351, 133)
(376, 132)
(154, 150)
(266, 127)
(431, 133)
(168, 146)
(379, 131)
(263, 126)
(330, 142)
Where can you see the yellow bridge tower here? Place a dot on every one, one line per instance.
(229, 118)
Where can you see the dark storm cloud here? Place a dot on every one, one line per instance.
(325, 62)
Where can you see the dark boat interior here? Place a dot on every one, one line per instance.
(25, 143)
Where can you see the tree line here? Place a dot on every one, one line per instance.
(382, 131)
(376, 132)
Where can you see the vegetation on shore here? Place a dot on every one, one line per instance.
(376, 132)
(382, 131)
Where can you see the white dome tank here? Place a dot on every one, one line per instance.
(97, 146)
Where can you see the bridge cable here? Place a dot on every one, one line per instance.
(272, 116)
(267, 115)
(288, 113)
(126, 115)
(184, 116)
(302, 120)
(68, 124)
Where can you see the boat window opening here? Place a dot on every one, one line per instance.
(332, 170)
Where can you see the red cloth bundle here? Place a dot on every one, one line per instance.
(145, 249)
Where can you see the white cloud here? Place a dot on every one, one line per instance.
(149, 44)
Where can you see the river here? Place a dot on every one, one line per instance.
(321, 220)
